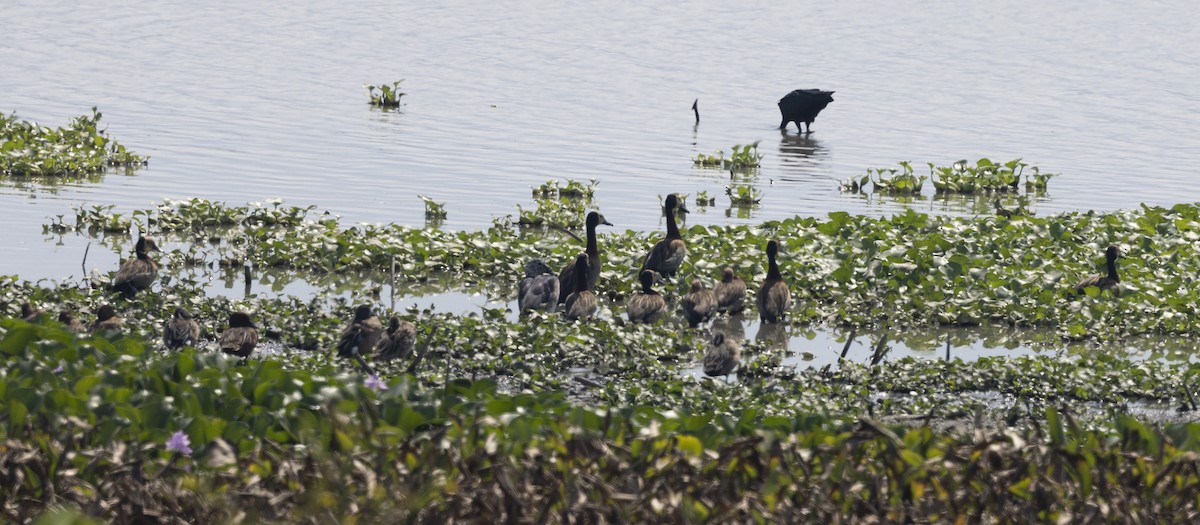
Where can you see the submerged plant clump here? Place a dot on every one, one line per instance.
(743, 156)
(28, 149)
(385, 95)
(985, 176)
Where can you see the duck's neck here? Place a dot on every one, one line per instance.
(1112, 269)
(592, 249)
(581, 278)
(672, 229)
(142, 255)
(773, 268)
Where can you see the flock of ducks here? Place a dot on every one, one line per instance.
(540, 289)
(574, 286)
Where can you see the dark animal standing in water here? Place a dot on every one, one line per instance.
(566, 279)
(699, 304)
(730, 292)
(137, 273)
(241, 337)
(362, 335)
(666, 256)
(400, 339)
(107, 321)
(773, 297)
(1110, 282)
(646, 306)
(722, 357)
(539, 289)
(582, 302)
(181, 329)
(803, 105)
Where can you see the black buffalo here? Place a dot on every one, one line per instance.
(803, 105)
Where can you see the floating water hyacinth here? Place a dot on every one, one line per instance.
(58, 370)
(374, 383)
(179, 442)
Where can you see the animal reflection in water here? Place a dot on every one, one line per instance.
(772, 335)
(800, 151)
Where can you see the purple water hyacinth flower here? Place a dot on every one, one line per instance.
(180, 443)
(373, 382)
(58, 370)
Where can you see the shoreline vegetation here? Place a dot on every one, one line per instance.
(544, 419)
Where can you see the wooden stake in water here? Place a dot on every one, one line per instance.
(246, 274)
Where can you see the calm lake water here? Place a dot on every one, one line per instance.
(246, 101)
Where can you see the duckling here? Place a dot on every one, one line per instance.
(566, 283)
(1110, 282)
(181, 329)
(362, 335)
(773, 297)
(731, 293)
(646, 306)
(539, 290)
(137, 273)
(699, 304)
(582, 302)
(666, 256)
(107, 320)
(399, 340)
(30, 314)
(722, 357)
(241, 337)
(70, 322)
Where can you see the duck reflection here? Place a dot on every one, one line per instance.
(772, 335)
(731, 325)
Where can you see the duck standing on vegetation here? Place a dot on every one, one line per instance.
(362, 335)
(137, 273)
(668, 254)
(400, 339)
(803, 105)
(1110, 282)
(539, 289)
(72, 323)
(582, 302)
(731, 293)
(107, 321)
(241, 337)
(699, 304)
(646, 306)
(181, 329)
(722, 357)
(566, 280)
(773, 297)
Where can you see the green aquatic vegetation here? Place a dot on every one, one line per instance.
(94, 426)
(898, 181)
(983, 176)
(561, 205)
(704, 200)
(433, 209)
(743, 196)
(910, 269)
(385, 95)
(742, 157)
(97, 218)
(82, 148)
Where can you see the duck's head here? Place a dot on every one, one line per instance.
(674, 204)
(106, 312)
(65, 316)
(646, 278)
(596, 218)
(537, 267)
(718, 338)
(697, 285)
(393, 324)
(146, 244)
(772, 248)
(180, 313)
(727, 275)
(362, 313)
(241, 320)
(1112, 253)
